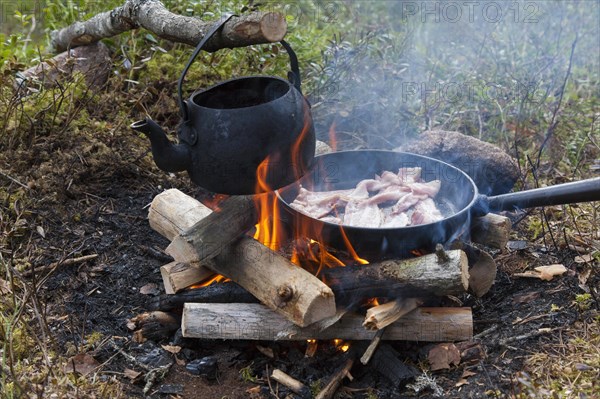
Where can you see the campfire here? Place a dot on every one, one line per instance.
(243, 270)
(257, 268)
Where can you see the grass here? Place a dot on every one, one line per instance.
(568, 368)
(530, 88)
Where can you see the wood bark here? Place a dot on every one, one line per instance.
(254, 28)
(257, 322)
(491, 230)
(420, 276)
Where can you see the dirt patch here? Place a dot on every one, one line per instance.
(89, 195)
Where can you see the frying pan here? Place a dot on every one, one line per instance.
(458, 200)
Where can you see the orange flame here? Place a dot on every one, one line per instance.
(268, 229)
(309, 250)
(217, 278)
(351, 250)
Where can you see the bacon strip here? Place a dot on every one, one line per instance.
(389, 200)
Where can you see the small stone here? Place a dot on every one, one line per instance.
(170, 389)
(206, 367)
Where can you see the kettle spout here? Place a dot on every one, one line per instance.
(167, 156)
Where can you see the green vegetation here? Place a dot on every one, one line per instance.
(379, 77)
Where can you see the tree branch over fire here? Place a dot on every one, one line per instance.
(253, 28)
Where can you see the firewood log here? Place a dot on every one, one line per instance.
(248, 321)
(491, 230)
(421, 276)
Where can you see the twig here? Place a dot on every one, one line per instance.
(542, 210)
(532, 334)
(52, 266)
(290, 382)
(553, 121)
(14, 180)
(332, 386)
(372, 347)
(486, 332)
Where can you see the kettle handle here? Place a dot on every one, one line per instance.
(293, 75)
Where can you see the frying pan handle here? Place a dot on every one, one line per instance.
(561, 194)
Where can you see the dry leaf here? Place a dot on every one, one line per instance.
(82, 363)
(544, 272)
(4, 287)
(150, 289)
(131, 374)
(131, 325)
(584, 258)
(468, 373)
(461, 382)
(548, 272)
(171, 348)
(254, 392)
(584, 275)
(442, 356)
(40, 231)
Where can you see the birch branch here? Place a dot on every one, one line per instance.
(254, 28)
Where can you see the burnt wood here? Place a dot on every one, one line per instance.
(228, 292)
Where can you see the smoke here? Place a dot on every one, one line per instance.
(479, 67)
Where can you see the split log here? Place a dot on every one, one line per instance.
(270, 277)
(381, 316)
(420, 276)
(254, 28)
(257, 322)
(172, 212)
(178, 276)
(228, 292)
(276, 282)
(213, 234)
(491, 230)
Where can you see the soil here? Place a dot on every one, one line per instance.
(95, 202)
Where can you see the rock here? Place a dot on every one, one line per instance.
(494, 171)
(93, 61)
(207, 367)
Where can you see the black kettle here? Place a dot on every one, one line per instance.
(231, 130)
